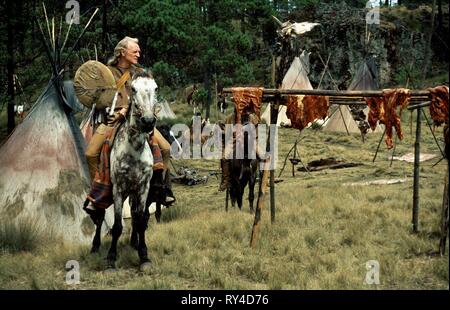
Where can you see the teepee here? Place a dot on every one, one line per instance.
(43, 172)
(165, 110)
(342, 119)
(296, 78)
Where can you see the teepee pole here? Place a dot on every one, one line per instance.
(67, 33)
(95, 50)
(325, 69)
(58, 42)
(343, 120)
(432, 132)
(393, 151)
(79, 37)
(48, 24)
(378, 147)
(47, 48)
(53, 35)
(286, 158)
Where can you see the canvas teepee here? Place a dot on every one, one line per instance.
(342, 119)
(296, 78)
(166, 111)
(43, 172)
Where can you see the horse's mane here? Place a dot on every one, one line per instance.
(143, 74)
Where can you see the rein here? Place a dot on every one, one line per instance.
(136, 114)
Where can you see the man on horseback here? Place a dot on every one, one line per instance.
(123, 66)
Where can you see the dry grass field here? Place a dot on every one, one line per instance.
(325, 230)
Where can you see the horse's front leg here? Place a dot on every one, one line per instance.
(116, 229)
(142, 221)
(97, 218)
(134, 235)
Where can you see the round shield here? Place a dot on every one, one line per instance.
(94, 83)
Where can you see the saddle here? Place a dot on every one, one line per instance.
(101, 194)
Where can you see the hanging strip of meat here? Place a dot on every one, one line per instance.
(246, 100)
(439, 112)
(302, 112)
(439, 105)
(376, 110)
(384, 110)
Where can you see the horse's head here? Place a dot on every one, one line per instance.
(144, 101)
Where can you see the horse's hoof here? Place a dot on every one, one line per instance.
(110, 266)
(146, 267)
(110, 269)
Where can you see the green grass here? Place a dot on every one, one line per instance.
(324, 232)
(22, 236)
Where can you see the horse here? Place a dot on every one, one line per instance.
(131, 168)
(222, 104)
(243, 173)
(190, 93)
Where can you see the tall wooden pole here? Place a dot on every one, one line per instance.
(415, 215)
(260, 203)
(272, 138)
(10, 24)
(444, 216)
(416, 95)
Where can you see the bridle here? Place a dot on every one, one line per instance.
(137, 113)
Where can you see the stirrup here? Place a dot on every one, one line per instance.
(170, 202)
(89, 207)
(169, 197)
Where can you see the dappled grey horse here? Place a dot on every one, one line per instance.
(131, 168)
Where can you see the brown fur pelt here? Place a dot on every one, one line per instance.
(439, 105)
(384, 110)
(247, 100)
(439, 111)
(302, 112)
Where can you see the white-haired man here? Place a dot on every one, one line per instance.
(123, 65)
